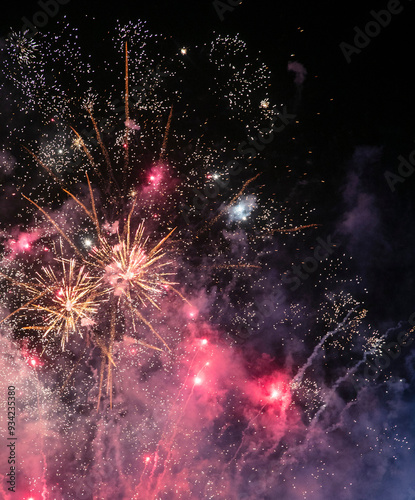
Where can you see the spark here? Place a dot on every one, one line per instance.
(130, 267)
(275, 394)
(24, 46)
(66, 301)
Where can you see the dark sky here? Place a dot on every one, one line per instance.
(366, 101)
(372, 92)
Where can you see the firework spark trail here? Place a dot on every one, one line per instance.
(299, 448)
(45, 493)
(27, 286)
(292, 229)
(234, 266)
(248, 425)
(173, 427)
(107, 360)
(23, 307)
(278, 396)
(44, 166)
(168, 446)
(179, 294)
(86, 150)
(153, 470)
(127, 118)
(298, 378)
(166, 136)
(226, 209)
(173, 407)
(75, 366)
(351, 371)
(143, 472)
(103, 149)
(340, 380)
(55, 225)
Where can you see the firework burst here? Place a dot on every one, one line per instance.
(131, 269)
(125, 273)
(23, 46)
(166, 251)
(66, 303)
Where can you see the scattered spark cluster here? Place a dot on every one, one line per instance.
(143, 246)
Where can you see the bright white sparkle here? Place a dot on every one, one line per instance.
(243, 209)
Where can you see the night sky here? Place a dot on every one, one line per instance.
(255, 369)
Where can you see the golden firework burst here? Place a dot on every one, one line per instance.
(68, 302)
